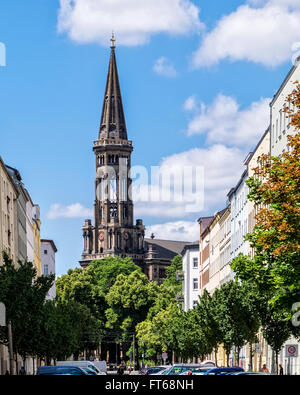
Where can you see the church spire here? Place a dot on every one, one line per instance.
(113, 123)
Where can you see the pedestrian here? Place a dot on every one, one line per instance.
(22, 371)
(129, 369)
(120, 370)
(280, 370)
(265, 369)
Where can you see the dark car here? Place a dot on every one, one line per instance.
(222, 371)
(61, 371)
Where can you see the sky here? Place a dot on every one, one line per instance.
(196, 78)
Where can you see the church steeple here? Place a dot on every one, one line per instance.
(113, 124)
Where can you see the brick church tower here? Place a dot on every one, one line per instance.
(113, 232)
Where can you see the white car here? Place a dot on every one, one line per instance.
(81, 364)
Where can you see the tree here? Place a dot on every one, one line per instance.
(237, 315)
(160, 332)
(191, 337)
(66, 328)
(205, 310)
(171, 280)
(275, 330)
(89, 287)
(129, 301)
(23, 294)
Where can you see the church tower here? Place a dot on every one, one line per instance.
(113, 232)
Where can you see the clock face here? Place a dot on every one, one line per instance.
(101, 236)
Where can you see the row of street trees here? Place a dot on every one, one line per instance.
(40, 329)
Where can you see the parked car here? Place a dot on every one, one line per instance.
(181, 368)
(61, 371)
(101, 365)
(196, 371)
(222, 371)
(208, 363)
(154, 370)
(250, 374)
(90, 372)
(81, 364)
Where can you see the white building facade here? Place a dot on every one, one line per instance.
(239, 217)
(48, 251)
(280, 125)
(226, 273)
(191, 275)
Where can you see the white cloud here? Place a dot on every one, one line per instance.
(75, 210)
(134, 21)
(260, 31)
(180, 231)
(224, 122)
(164, 67)
(222, 168)
(190, 104)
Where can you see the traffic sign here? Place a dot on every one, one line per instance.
(291, 351)
(164, 356)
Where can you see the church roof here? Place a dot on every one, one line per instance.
(113, 124)
(166, 249)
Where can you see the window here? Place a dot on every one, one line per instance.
(280, 122)
(113, 212)
(45, 252)
(195, 284)
(46, 270)
(113, 190)
(195, 263)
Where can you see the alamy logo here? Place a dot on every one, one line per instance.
(296, 316)
(2, 315)
(2, 55)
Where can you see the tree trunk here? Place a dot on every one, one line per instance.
(251, 356)
(10, 349)
(216, 356)
(227, 356)
(238, 356)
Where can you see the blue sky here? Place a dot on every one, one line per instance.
(195, 108)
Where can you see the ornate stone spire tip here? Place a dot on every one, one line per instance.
(113, 40)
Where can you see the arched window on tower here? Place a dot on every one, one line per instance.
(101, 190)
(113, 212)
(124, 189)
(113, 190)
(85, 241)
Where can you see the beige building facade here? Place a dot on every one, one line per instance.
(8, 210)
(8, 234)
